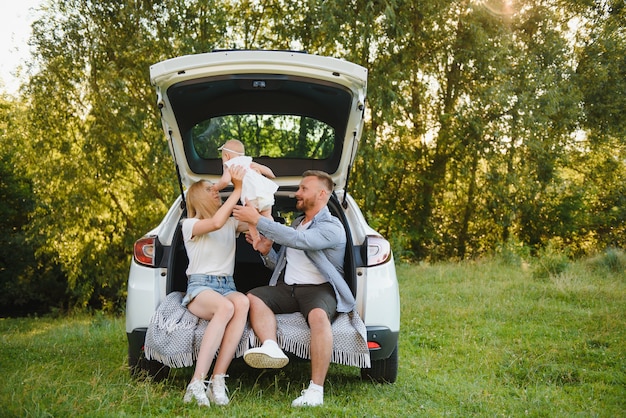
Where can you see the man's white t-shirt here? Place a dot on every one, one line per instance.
(300, 270)
(212, 253)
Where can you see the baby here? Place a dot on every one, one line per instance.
(257, 188)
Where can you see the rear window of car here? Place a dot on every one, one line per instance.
(265, 135)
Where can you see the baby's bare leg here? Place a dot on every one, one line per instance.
(267, 213)
(256, 237)
(254, 233)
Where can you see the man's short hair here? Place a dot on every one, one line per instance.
(323, 176)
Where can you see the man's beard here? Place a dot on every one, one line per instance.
(301, 205)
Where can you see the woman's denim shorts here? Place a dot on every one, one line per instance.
(199, 282)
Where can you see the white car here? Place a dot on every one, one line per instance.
(293, 111)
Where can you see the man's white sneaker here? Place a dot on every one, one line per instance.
(268, 356)
(197, 390)
(217, 390)
(309, 397)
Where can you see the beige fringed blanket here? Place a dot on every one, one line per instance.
(174, 336)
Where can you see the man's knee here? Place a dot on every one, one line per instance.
(318, 317)
(255, 302)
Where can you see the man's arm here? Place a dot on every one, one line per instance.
(326, 234)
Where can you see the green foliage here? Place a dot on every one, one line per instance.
(476, 339)
(26, 285)
(611, 261)
(551, 262)
(601, 71)
(513, 253)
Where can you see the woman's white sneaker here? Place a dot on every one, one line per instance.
(197, 390)
(217, 390)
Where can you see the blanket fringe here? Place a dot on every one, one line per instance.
(299, 348)
(355, 359)
(174, 336)
(176, 360)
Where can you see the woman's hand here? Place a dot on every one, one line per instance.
(236, 175)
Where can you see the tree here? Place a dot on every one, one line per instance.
(106, 177)
(601, 77)
(26, 286)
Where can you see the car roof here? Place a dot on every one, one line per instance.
(205, 99)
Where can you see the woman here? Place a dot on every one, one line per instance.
(209, 233)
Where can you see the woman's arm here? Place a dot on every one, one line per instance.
(224, 180)
(218, 220)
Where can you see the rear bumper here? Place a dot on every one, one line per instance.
(136, 340)
(385, 339)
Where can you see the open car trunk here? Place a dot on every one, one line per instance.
(292, 112)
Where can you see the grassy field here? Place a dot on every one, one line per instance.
(477, 339)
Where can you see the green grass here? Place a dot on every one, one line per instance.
(477, 339)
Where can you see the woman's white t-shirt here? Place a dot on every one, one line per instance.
(212, 253)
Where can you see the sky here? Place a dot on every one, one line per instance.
(17, 16)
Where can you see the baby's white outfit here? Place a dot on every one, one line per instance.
(255, 187)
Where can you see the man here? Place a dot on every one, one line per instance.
(307, 278)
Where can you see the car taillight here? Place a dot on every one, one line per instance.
(146, 251)
(378, 250)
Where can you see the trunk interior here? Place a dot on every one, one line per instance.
(249, 269)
